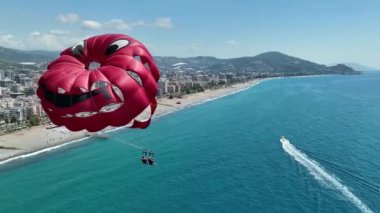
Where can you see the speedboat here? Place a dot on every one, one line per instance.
(283, 139)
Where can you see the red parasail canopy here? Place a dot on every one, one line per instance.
(80, 97)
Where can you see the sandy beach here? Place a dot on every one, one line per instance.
(40, 138)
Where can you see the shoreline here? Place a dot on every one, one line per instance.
(41, 139)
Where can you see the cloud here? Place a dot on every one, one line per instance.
(59, 32)
(68, 18)
(49, 41)
(120, 24)
(165, 23)
(232, 42)
(192, 48)
(117, 24)
(10, 41)
(195, 48)
(35, 33)
(53, 40)
(139, 23)
(91, 25)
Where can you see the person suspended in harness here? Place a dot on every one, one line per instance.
(144, 160)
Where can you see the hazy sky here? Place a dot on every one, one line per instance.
(323, 31)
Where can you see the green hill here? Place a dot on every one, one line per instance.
(268, 62)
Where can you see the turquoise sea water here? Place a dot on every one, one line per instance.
(223, 156)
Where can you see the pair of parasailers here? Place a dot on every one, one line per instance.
(147, 157)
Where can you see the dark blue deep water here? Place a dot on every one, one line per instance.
(222, 156)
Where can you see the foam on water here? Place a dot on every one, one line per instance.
(323, 176)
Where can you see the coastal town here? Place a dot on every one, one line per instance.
(20, 107)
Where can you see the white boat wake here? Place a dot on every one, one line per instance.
(322, 175)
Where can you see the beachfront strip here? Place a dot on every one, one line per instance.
(40, 137)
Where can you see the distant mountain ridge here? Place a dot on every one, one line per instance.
(268, 62)
(361, 67)
(16, 56)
